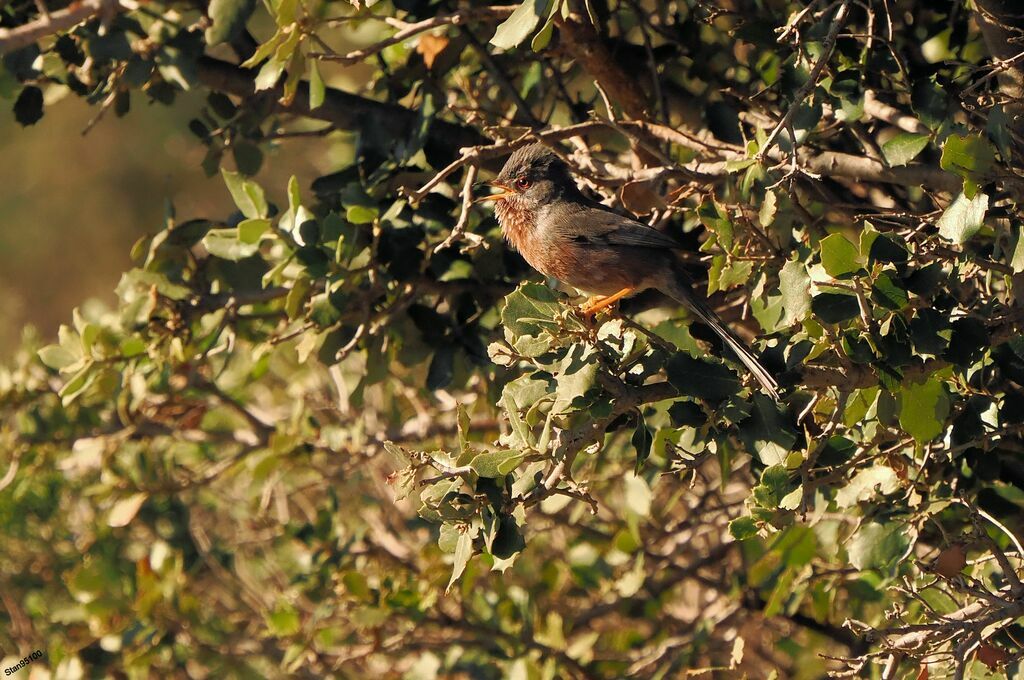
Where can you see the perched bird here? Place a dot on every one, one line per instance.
(565, 235)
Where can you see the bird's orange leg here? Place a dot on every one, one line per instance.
(596, 304)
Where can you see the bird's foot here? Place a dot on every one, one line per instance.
(598, 302)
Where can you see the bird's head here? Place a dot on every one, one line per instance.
(533, 176)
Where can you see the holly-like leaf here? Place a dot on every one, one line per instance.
(703, 379)
(923, 409)
(839, 256)
(795, 286)
(463, 551)
(496, 463)
(530, 309)
(879, 545)
(522, 23)
(903, 148)
(963, 218)
(969, 156)
(767, 433)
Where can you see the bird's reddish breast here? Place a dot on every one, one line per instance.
(517, 224)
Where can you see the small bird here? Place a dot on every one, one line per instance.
(567, 236)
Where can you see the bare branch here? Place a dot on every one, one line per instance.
(16, 38)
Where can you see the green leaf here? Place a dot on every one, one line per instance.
(523, 21)
(141, 279)
(888, 293)
(703, 379)
(225, 243)
(766, 433)
(769, 208)
(463, 551)
(923, 409)
(1017, 259)
(250, 231)
(77, 384)
(879, 546)
(264, 50)
(361, 214)
(576, 374)
(448, 538)
(638, 496)
(543, 37)
(317, 91)
(641, 441)
(795, 286)
(529, 309)
(970, 156)
(839, 256)
(515, 419)
(775, 485)
(866, 484)
(903, 148)
(248, 195)
(963, 218)
(496, 464)
(269, 74)
(835, 307)
(715, 218)
(56, 357)
(881, 248)
(283, 621)
(132, 347)
(296, 299)
(228, 18)
(285, 11)
(743, 528)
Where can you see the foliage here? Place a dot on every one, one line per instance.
(336, 434)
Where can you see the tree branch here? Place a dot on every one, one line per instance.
(410, 30)
(343, 110)
(16, 38)
(1002, 27)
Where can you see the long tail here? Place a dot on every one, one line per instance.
(681, 290)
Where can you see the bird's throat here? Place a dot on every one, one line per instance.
(517, 223)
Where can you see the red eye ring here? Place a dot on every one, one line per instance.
(522, 183)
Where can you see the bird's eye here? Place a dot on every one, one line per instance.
(522, 184)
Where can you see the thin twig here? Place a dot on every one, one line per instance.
(459, 230)
(812, 80)
(410, 30)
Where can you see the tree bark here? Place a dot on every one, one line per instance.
(1002, 27)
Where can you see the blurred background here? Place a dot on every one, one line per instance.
(72, 204)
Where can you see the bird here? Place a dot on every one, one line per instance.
(565, 235)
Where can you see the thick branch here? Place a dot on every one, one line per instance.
(586, 47)
(345, 111)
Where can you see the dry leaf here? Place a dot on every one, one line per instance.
(638, 198)
(430, 46)
(125, 509)
(950, 561)
(923, 674)
(992, 656)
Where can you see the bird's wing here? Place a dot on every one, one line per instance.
(603, 228)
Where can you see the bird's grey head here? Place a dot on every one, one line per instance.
(537, 177)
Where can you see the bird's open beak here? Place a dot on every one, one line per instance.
(507, 191)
